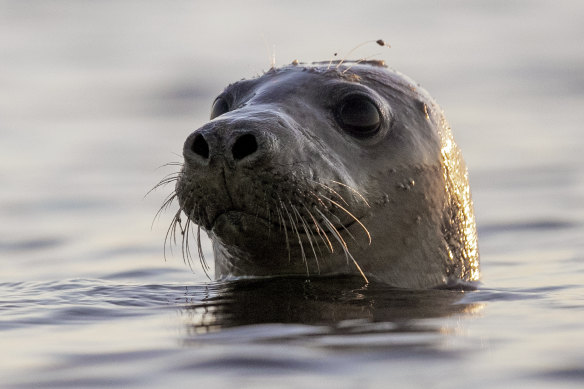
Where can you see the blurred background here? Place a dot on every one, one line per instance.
(95, 96)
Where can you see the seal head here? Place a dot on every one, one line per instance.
(321, 169)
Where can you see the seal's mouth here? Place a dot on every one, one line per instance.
(237, 217)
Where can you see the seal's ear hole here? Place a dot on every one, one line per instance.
(219, 107)
(358, 115)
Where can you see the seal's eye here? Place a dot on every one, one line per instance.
(220, 106)
(359, 115)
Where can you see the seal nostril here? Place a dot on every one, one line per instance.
(200, 146)
(244, 146)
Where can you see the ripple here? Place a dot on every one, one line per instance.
(38, 243)
(82, 300)
(527, 226)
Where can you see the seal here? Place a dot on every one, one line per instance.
(330, 168)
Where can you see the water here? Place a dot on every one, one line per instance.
(96, 95)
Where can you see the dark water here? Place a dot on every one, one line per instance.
(94, 96)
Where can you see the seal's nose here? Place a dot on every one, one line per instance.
(235, 147)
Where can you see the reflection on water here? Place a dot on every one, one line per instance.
(340, 304)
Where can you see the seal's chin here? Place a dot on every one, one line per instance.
(236, 225)
(249, 233)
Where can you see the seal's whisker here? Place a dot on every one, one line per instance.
(308, 234)
(171, 196)
(295, 229)
(338, 236)
(327, 208)
(319, 199)
(353, 190)
(348, 253)
(202, 260)
(179, 164)
(352, 216)
(190, 231)
(339, 221)
(184, 236)
(170, 232)
(180, 227)
(167, 202)
(343, 226)
(283, 226)
(170, 227)
(168, 179)
(164, 181)
(321, 232)
(281, 220)
(332, 190)
(336, 232)
(316, 227)
(190, 234)
(179, 223)
(172, 177)
(186, 252)
(200, 250)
